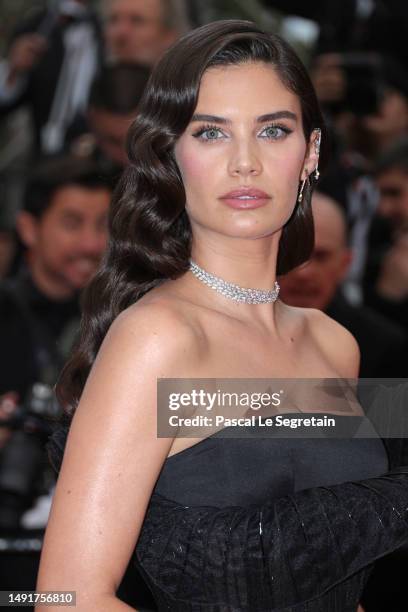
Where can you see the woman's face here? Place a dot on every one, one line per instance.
(246, 134)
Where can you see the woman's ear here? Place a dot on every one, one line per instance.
(311, 162)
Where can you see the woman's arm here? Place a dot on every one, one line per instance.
(294, 549)
(112, 458)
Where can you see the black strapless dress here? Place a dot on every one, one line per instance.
(256, 524)
(271, 524)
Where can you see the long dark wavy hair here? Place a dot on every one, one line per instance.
(150, 233)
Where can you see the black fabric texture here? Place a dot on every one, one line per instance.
(222, 470)
(284, 524)
(306, 552)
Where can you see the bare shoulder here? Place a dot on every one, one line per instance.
(113, 454)
(157, 329)
(337, 345)
(336, 342)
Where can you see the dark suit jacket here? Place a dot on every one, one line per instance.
(42, 81)
(383, 344)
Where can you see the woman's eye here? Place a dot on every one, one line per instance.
(209, 133)
(275, 132)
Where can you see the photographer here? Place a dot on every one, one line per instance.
(318, 284)
(63, 227)
(52, 59)
(386, 274)
(113, 101)
(365, 98)
(349, 25)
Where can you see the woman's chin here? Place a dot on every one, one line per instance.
(252, 231)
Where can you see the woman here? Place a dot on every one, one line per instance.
(223, 155)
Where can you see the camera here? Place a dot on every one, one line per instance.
(25, 472)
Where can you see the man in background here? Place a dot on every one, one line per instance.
(386, 275)
(51, 62)
(317, 284)
(114, 97)
(141, 30)
(63, 227)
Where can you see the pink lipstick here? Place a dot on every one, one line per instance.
(245, 198)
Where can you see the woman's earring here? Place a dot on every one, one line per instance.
(300, 195)
(317, 151)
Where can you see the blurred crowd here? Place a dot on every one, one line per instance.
(70, 82)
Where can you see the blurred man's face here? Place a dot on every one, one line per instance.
(313, 284)
(134, 31)
(391, 120)
(393, 204)
(110, 130)
(66, 244)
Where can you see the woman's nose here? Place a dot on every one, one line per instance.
(245, 160)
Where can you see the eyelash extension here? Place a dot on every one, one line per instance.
(205, 128)
(284, 128)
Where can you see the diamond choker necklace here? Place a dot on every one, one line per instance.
(232, 291)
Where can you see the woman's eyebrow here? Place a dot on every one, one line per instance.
(284, 114)
(210, 118)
